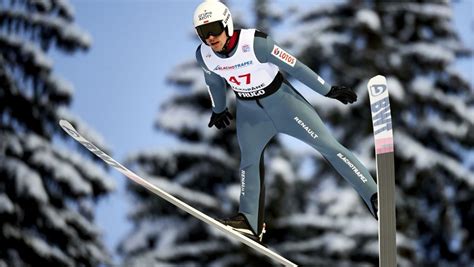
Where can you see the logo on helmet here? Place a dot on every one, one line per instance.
(226, 19)
(205, 15)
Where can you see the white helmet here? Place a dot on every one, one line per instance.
(212, 11)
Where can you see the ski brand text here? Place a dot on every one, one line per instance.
(381, 116)
(353, 167)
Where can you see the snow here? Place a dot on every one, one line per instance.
(66, 7)
(429, 51)
(62, 172)
(45, 4)
(27, 181)
(192, 150)
(425, 10)
(88, 169)
(227, 260)
(426, 158)
(62, 86)
(452, 128)
(44, 157)
(361, 226)
(316, 32)
(187, 195)
(330, 40)
(81, 223)
(192, 249)
(39, 58)
(138, 239)
(185, 118)
(307, 220)
(369, 18)
(6, 205)
(281, 167)
(40, 246)
(306, 168)
(364, 150)
(233, 192)
(338, 243)
(45, 250)
(424, 86)
(188, 73)
(65, 29)
(332, 242)
(168, 229)
(10, 143)
(343, 204)
(95, 251)
(395, 60)
(56, 220)
(311, 12)
(396, 88)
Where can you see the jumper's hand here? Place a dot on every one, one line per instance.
(220, 120)
(343, 94)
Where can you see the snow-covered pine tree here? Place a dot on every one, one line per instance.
(47, 194)
(312, 219)
(414, 44)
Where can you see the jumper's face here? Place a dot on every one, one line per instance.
(217, 42)
(213, 34)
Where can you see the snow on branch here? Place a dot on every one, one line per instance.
(37, 244)
(187, 195)
(425, 87)
(6, 205)
(27, 181)
(87, 169)
(61, 172)
(185, 118)
(426, 158)
(425, 10)
(27, 50)
(61, 29)
(192, 249)
(428, 51)
(368, 18)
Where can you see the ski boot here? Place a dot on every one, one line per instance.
(240, 224)
(375, 206)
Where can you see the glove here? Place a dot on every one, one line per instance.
(220, 120)
(343, 94)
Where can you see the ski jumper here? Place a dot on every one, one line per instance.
(267, 104)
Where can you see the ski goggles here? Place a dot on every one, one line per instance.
(214, 28)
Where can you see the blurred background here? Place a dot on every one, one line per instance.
(124, 73)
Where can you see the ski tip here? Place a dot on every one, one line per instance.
(65, 124)
(379, 79)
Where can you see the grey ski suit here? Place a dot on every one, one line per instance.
(281, 109)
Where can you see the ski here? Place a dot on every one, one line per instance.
(384, 151)
(227, 230)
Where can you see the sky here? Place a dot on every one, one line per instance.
(120, 82)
